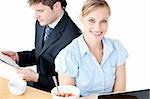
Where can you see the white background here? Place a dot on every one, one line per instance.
(129, 23)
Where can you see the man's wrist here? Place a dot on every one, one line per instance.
(36, 77)
(17, 58)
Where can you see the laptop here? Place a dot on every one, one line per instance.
(139, 94)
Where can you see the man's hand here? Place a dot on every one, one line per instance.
(27, 74)
(11, 54)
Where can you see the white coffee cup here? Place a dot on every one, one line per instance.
(17, 87)
(69, 89)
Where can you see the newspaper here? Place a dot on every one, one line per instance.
(7, 68)
(7, 60)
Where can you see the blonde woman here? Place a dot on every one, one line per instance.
(92, 62)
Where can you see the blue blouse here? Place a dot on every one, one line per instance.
(91, 77)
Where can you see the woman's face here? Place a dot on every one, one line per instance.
(95, 23)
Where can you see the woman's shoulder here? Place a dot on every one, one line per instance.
(113, 42)
(73, 46)
(71, 49)
(118, 50)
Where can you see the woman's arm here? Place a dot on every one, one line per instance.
(120, 81)
(65, 79)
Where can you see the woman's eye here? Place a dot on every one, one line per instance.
(91, 20)
(104, 21)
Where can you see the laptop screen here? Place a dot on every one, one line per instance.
(140, 94)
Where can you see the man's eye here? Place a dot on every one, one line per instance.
(91, 20)
(40, 11)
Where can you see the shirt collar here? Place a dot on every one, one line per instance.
(108, 47)
(83, 46)
(56, 22)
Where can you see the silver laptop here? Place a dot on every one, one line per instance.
(139, 94)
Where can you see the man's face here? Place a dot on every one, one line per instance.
(44, 14)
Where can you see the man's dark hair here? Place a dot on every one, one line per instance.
(50, 3)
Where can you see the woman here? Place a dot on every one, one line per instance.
(92, 62)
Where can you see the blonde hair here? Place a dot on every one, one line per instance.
(90, 5)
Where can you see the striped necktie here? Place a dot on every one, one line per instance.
(48, 30)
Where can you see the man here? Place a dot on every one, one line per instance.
(49, 13)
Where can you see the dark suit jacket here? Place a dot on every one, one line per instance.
(44, 54)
